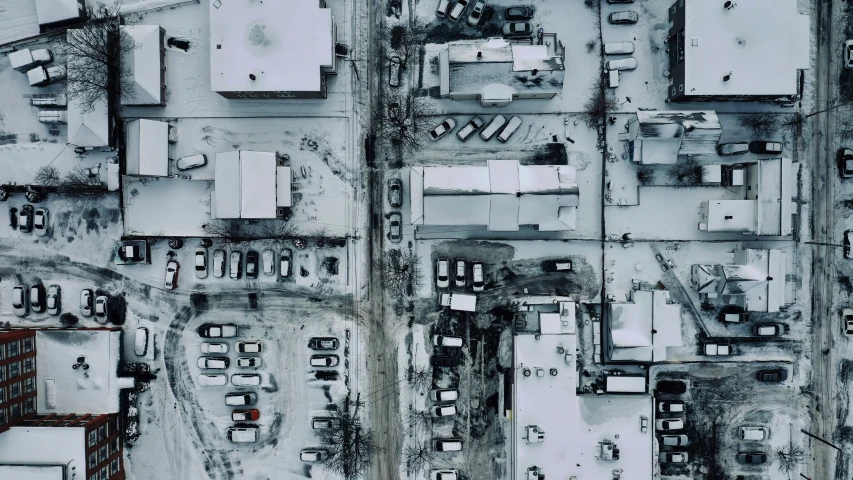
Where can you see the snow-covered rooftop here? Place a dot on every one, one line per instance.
(94, 390)
(755, 281)
(284, 44)
(18, 20)
(642, 329)
(147, 149)
(33, 472)
(88, 129)
(760, 43)
(42, 446)
(660, 136)
(156, 206)
(144, 64)
(573, 425)
(53, 11)
(247, 185)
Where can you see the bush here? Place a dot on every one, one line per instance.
(686, 173)
(645, 175)
(68, 319)
(760, 124)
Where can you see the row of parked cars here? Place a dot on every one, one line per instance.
(755, 146)
(460, 276)
(253, 264)
(29, 219)
(105, 309)
(498, 122)
(312, 455)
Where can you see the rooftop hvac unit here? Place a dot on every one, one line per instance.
(535, 473)
(534, 434)
(607, 451)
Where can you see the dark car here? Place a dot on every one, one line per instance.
(763, 146)
(768, 329)
(323, 343)
(733, 314)
(736, 148)
(252, 264)
(518, 13)
(775, 375)
(444, 361)
(25, 219)
(395, 192)
(557, 265)
(115, 305)
(37, 298)
(13, 218)
(624, 18)
(752, 457)
(671, 386)
(517, 29)
(845, 162)
(619, 1)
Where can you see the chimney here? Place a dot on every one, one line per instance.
(479, 54)
(252, 76)
(727, 77)
(729, 5)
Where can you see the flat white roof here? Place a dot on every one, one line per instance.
(52, 11)
(642, 329)
(32, 472)
(95, 390)
(144, 65)
(227, 185)
(257, 185)
(761, 43)
(283, 43)
(147, 148)
(731, 216)
(44, 445)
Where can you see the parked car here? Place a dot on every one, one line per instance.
(755, 434)
(619, 1)
(218, 263)
(323, 422)
(733, 314)
(249, 362)
(517, 30)
(241, 398)
(245, 379)
(116, 310)
(671, 386)
(394, 65)
(619, 48)
(444, 475)
(667, 424)
(312, 455)
(562, 265)
(518, 13)
(249, 346)
(40, 222)
(446, 341)
(251, 264)
(735, 148)
(509, 129)
(444, 361)
(847, 321)
(245, 415)
(201, 262)
(37, 298)
(469, 129)
(191, 161)
(673, 457)
(213, 330)
(476, 13)
(444, 410)
(172, 274)
(285, 262)
(442, 277)
(41, 76)
(629, 63)
(20, 301)
(25, 219)
(236, 264)
(212, 379)
(848, 54)
(323, 343)
(845, 162)
(140, 342)
(447, 444)
(243, 434)
(718, 349)
(764, 146)
(13, 218)
(443, 7)
(444, 395)
(848, 239)
(492, 127)
(676, 406)
(674, 440)
(395, 227)
(213, 363)
(53, 303)
(623, 18)
(774, 375)
(324, 360)
(268, 262)
(460, 279)
(457, 10)
(752, 458)
(768, 329)
(395, 192)
(86, 301)
(477, 277)
(101, 310)
(442, 129)
(214, 347)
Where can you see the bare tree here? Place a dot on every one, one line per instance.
(419, 419)
(78, 179)
(94, 52)
(350, 445)
(420, 378)
(645, 175)
(278, 232)
(598, 105)
(47, 176)
(790, 456)
(685, 173)
(401, 276)
(844, 125)
(405, 41)
(418, 457)
(404, 120)
(761, 124)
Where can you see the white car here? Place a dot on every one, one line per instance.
(249, 362)
(86, 302)
(171, 275)
(40, 222)
(312, 455)
(20, 301)
(669, 424)
(671, 407)
(460, 278)
(619, 48)
(235, 399)
(246, 434)
(755, 434)
(443, 7)
(477, 277)
(447, 444)
(442, 277)
(718, 349)
(268, 261)
(101, 310)
(213, 330)
(213, 363)
(218, 263)
(629, 63)
(444, 410)
(284, 263)
(245, 379)
(324, 360)
(253, 346)
(213, 379)
(847, 321)
(444, 395)
(442, 129)
(458, 10)
(214, 348)
(53, 300)
(236, 264)
(140, 344)
(444, 475)
(201, 262)
(191, 161)
(477, 13)
(673, 457)
(446, 341)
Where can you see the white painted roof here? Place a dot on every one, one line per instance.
(52, 11)
(89, 129)
(283, 43)
(257, 185)
(147, 148)
(43, 445)
(284, 196)
(731, 216)
(144, 65)
(227, 185)
(774, 202)
(32, 472)
(18, 20)
(761, 43)
(642, 329)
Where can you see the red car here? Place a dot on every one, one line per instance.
(250, 415)
(172, 274)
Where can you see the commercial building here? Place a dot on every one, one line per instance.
(147, 147)
(752, 50)
(659, 137)
(754, 281)
(250, 185)
(275, 50)
(640, 330)
(145, 65)
(55, 13)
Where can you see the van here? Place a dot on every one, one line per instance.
(446, 341)
(509, 129)
(247, 434)
(492, 127)
(443, 7)
(41, 76)
(23, 60)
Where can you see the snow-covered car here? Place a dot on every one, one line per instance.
(241, 398)
(517, 29)
(251, 264)
(476, 13)
(53, 300)
(671, 407)
(201, 262)
(619, 48)
(171, 275)
(140, 343)
(446, 341)
(444, 475)
(395, 227)
(236, 264)
(460, 279)
(213, 330)
(457, 10)
(469, 129)
(623, 18)
(212, 379)
(312, 455)
(251, 346)
(718, 349)
(208, 347)
(218, 263)
(40, 222)
(664, 425)
(243, 434)
(447, 444)
(25, 219)
(324, 360)
(673, 457)
(674, 440)
(101, 309)
(442, 277)
(562, 265)
(395, 192)
(755, 434)
(847, 321)
(443, 7)
(444, 395)
(285, 262)
(249, 362)
(323, 343)
(444, 410)
(213, 363)
(848, 54)
(768, 329)
(247, 415)
(477, 277)
(37, 300)
(322, 422)
(629, 63)
(20, 302)
(442, 129)
(245, 379)
(191, 161)
(518, 13)
(268, 262)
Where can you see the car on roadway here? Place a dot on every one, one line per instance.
(446, 341)
(201, 262)
(517, 30)
(214, 330)
(671, 386)
(249, 362)
(460, 278)
(285, 262)
(312, 455)
(752, 458)
(395, 227)
(241, 398)
(20, 302)
(847, 321)
(213, 363)
(25, 219)
(674, 440)
(447, 444)
(444, 410)
(562, 265)
(754, 434)
(53, 300)
(619, 48)
(191, 161)
(667, 424)
(768, 329)
(477, 277)
(442, 277)
(172, 275)
(444, 361)
(457, 10)
(245, 379)
(469, 129)
(242, 433)
(249, 346)
(764, 146)
(323, 343)
(733, 148)
(86, 301)
(848, 54)
(676, 406)
(444, 475)
(37, 298)
(268, 262)
(395, 192)
(324, 360)
(40, 222)
(845, 162)
(476, 13)
(212, 379)
(245, 415)
(629, 63)
(236, 264)
(251, 264)
(209, 347)
(772, 376)
(442, 129)
(218, 263)
(101, 314)
(627, 17)
(518, 13)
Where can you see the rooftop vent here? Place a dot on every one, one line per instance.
(729, 5)
(607, 451)
(534, 434)
(252, 76)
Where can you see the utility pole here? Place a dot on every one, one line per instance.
(826, 109)
(821, 440)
